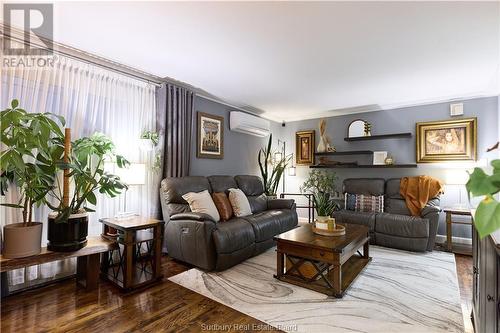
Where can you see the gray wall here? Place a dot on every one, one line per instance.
(403, 150)
(240, 150)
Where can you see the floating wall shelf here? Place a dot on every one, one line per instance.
(361, 166)
(353, 152)
(380, 137)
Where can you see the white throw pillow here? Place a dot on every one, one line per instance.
(202, 202)
(239, 202)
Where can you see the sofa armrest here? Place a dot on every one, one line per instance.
(280, 204)
(431, 212)
(192, 216)
(191, 241)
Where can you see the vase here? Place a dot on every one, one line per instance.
(22, 240)
(67, 236)
(322, 145)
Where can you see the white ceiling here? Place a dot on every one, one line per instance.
(296, 60)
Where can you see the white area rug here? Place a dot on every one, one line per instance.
(398, 291)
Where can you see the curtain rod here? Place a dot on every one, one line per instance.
(80, 55)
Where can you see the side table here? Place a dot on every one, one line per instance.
(455, 248)
(136, 262)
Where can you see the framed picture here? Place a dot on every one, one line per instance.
(210, 137)
(447, 140)
(379, 157)
(304, 147)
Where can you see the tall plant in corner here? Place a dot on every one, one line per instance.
(271, 169)
(32, 146)
(482, 184)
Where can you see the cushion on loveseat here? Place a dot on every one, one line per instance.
(402, 225)
(363, 218)
(172, 190)
(366, 186)
(222, 183)
(233, 235)
(272, 222)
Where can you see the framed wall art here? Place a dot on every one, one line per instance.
(210, 136)
(304, 147)
(447, 140)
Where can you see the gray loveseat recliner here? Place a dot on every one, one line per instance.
(198, 240)
(395, 227)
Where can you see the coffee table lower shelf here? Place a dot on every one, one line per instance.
(326, 274)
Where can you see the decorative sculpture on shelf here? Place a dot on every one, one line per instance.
(368, 129)
(324, 141)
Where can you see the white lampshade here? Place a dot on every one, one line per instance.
(134, 174)
(292, 171)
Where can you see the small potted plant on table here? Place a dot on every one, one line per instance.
(321, 184)
(33, 144)
(84, 164)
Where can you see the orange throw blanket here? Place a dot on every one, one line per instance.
(417, 191)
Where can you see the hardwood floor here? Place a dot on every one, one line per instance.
(464, 271)
(166, 307)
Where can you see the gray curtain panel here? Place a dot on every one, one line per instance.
(175, 121)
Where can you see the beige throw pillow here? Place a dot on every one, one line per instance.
(202, 202)
(239, 201)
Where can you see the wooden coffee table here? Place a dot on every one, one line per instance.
(335, 261)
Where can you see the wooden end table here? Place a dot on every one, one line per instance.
(455, 248)
(136, 262)
(335, 261)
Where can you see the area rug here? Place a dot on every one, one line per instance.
(398, 291)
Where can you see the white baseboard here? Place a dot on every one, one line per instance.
(457, 240)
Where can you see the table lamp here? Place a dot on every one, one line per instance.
(132, 175)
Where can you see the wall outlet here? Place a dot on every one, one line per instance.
(456, 109)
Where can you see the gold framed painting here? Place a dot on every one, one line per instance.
(304, 147)
(447, 140)
(210, 137)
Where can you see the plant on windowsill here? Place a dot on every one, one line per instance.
(271, 169)
(321, 184)
(84, 164)
(481, 184)
(33, 144)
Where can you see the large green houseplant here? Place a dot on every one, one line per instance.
(271, 169)
(68, 225)
(321, 184)
(31, 147)
(482, 184)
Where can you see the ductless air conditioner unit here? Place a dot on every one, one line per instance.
(249, 124)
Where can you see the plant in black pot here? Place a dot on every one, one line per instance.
(84, 167)
(33, 146)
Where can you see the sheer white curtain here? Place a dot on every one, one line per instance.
(92, 99)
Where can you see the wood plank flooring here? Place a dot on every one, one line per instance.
(165, 307)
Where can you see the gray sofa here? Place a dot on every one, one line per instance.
(395, 227)
(198, 240)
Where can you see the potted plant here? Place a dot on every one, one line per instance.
(321, 184)
(271, 169)
(84, 164)
(482, 184)
(33, 144)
